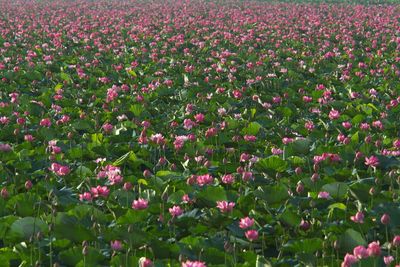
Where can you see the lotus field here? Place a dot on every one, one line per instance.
(199, 133)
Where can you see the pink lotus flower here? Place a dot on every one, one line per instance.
(116, 245)
(28, 185)
(228, 179)
(246, 222)
(193, 264)
(323, 194)
(4, 193)
(211, 132)
(188, 124)
(372, 161)
(346, 125)
(85, 196)
(225, 206)
(251, 235)
(349, 260)
(5, 148)
(60, 169)
(309, 125)
(385, 219)
(107, 128)
(334, 114)
(28, 138)
(45, 122)
(175, 211)
(304, 225)
(145, 262)
(374, 249)
(158, 139)
(205, 179)
(388, 260)
(199, 117)
(360, 252)
(396, 241)
(250, 138)
(358, 218)
(100, 191)
(140, 204)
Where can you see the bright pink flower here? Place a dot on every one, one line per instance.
(374, 249)
(4, 193)
(360, 252)
(199, 117)
(346, 124)
(287, 140)
(85, 196)
(388, 260)
(246, 222)
(140, 204)
(396, 241)
(225, 206)
(309, 125)
(246, 176)
(175, 211)
(188, 124)
(205, 179)
(28, 185)
(107, 128)
(349, 260)
(211, 132)
(145, 262)
(304, 225)
(251, 235)
(323, 195)
(228, 179)
(385, 219)
(358, 218)
(396, 143)
(244, 157)
(45, 122)
(249, 138)
(100, 191)
(29, 138)
(334, 114)
(5, 148)
(116, 245)
(193, 264)
(158, 139)
(372, 161)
